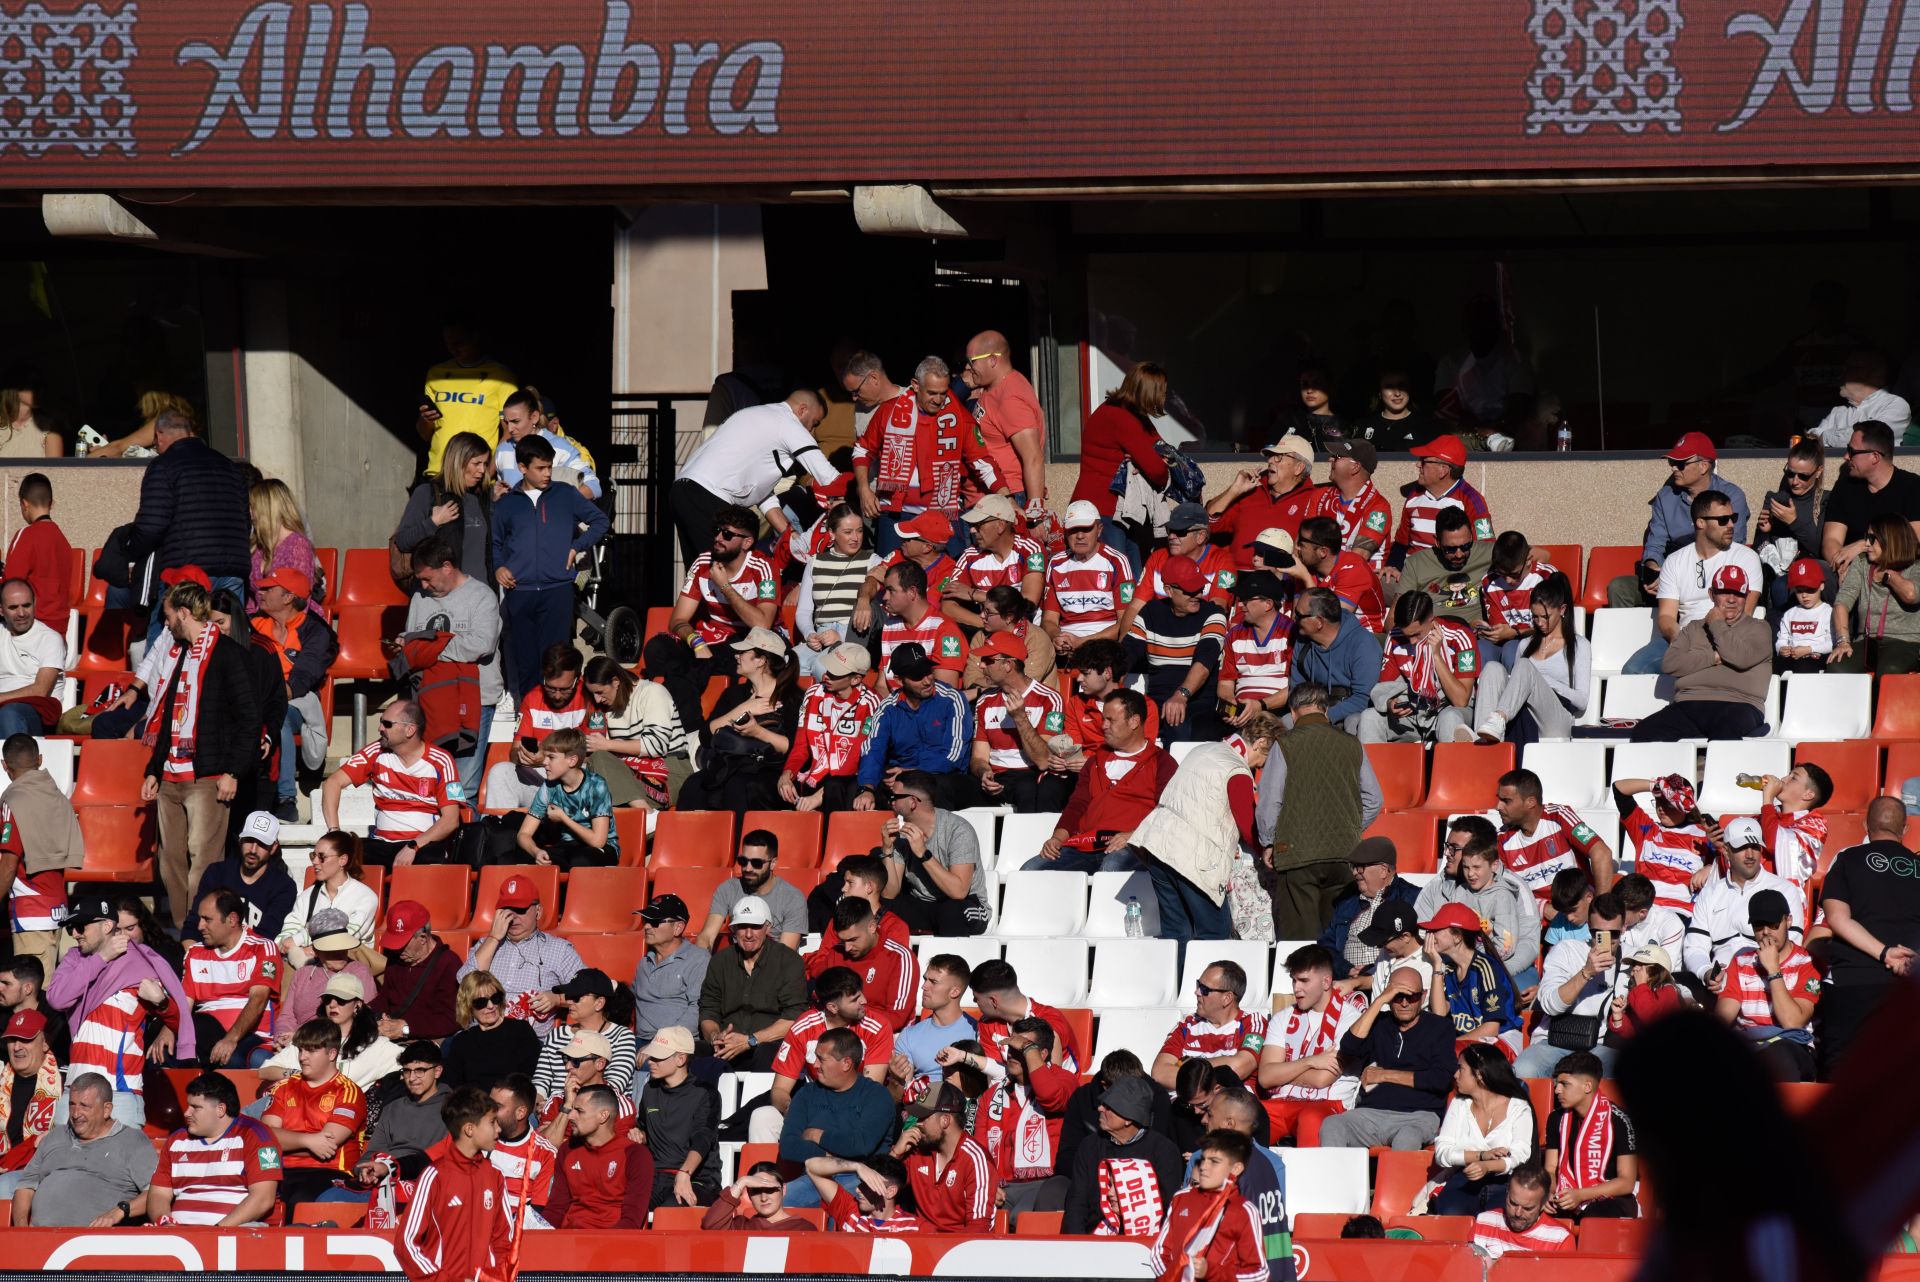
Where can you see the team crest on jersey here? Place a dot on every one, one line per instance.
(612, 1169)
(1100, 582)
(486, 1199)
(949, 647)
(871, 972)
(952, 1174)
(1377, 522)
(268, 1157)
(1483, 528)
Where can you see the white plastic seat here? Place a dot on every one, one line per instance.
(1596, 700)
(1021, 837)
(1329, 1181)
(1042, 905)
(985, 821)
(1133, 972)
(1653, 761)
(973, 949)
(356, 807)
(1634, 698)
(1053, 971)
(1827, 705)
(1572, 772)
(1617, 635)
(1140, 1029)
(1719, 794)
(1605, 825)
(1107, 905)
(1255, 956)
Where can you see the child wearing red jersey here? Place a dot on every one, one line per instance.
(874, 1205)
(1672, 843)
(1211, 1233)
(1790, 820)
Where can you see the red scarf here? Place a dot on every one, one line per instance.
(1016, 1134)
(939, 456)
(184, 706)
(1583, 1157)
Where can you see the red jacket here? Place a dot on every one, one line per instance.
(1226, 1233)
(610, 1187)
(1099, 805)
(458, 1224)
(889, 975)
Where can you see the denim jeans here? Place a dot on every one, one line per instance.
(18, 718)
(1115, 536)
(1186, 913)
(801, 1192)
(1646, 660)
(1540, 1059)
(474, 762)
(1070, 860)
(288, 785)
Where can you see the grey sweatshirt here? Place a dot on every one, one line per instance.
(1506, 904)
(472, 613)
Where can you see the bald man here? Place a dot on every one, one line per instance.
(1010, 417)
(741, 463)
(1871, 898)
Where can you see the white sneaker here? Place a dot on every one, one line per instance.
(1493, 729)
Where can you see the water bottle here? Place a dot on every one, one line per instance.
(1754, 782)
(1136, 928)
(1563, 439)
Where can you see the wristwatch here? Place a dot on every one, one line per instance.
(753, 1041)
(126, 1211)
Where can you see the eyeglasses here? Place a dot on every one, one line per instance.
(1458, 847)
(481, 1000)
(411, 1070)
(984, 356)
(562, 693)
(754, 863)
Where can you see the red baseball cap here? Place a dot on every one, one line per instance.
(1694, 445)
(1730, 578)
(518, 893)
(25, 1025)
(404, 920)
(1181, 572)
(1004, 644)
(1456, 916)
(933, 527)
(1806, 573)
(289, 578)
(186, 574)
(1448, 449)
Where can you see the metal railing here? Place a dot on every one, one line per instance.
(642, 562)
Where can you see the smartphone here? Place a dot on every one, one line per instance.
(529, 743)
(1603, 939)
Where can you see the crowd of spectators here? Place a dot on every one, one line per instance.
(1191, 700)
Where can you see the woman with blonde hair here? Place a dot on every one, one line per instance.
(491, 1045)
(152, 405)
(458, 504)
(22, 434)
(1121, 431)
(280, 540)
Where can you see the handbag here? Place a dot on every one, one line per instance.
(1574, 1032)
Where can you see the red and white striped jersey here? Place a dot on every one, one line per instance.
(218, 983)
(1194, 1038)
(1256, 666)
(406, 798)
(942, 638)
(831, 731)
(1413, 662)
(1367, 515)
(1353, 579)
(1216, 564)
(1419, 512)
(209, 1178)
(1088, 595)
(1562, 840)
(1667, 857)
(994, 1033)
(112, 1041)
(509, 1157)
(1794, 840)
(844, 1211)
(538, 718)
(1509, 601)
(798, 1052)
(713, 619)
(982, 569)
(1491, 1234)
(32, 898)
(1046, 712)
(1743, 983)
(1302, 1034)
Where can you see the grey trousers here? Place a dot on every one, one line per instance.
(1368, 1127)
(1522, 690)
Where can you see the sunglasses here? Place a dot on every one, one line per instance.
(1680, 464)
(754, 863)
(1853, 453)
(1801, 476)
(389, 725)
(1728, 519)
(1203, 990)
(489, 999)
(331, 1000)
(1405, 997)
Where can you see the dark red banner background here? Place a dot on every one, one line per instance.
(232, 93)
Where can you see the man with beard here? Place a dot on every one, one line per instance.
(728, 590)
(759, 849)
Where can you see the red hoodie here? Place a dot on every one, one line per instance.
(889, 975)
(457, 1225)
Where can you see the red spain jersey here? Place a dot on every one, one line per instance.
(1302, 1034)
(1368, 515)
(1194, 1038)
(406, 798)
(1509, 601)
(1421, 508)
(831, 731)
(939, 572)
(218, 983)
(1414, 663)
(1088, 595)
(1355, 582)
(309, 1109)
(981, 569)
(1045, 709)
(713, 618)
(1561, 841)
(958, 1199)
(209, 1178)
(1256, 665)
(1743, 983)
(798, 1054)
(942, 638)
(1667, 857)
(1216, 564)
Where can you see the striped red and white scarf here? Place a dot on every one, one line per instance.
(1584, 1156)
(184, 707)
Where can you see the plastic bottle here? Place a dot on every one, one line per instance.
(1754, 782)
(1136, 927)
(1563, 439)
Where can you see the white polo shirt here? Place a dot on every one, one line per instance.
(1836, 429)
(22, 657)
(748, 454)
(1684, 578)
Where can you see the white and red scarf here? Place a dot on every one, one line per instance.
(1131, 1202)
(184, 707)
(1016, 1134)
(1584, 1156)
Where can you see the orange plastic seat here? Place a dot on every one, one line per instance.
(328, 560)
(692, 839)
(710, 697)
(1401, 769)
(1903, 763)
(852, 832)
(494, 876)
(444, 890)
(365, 581)
(1312, 1225)
(345, 1215)
(1612, 1237)
(95, 598)
(1564, 557)
(77, 585)
(677, 1219)
(1039, 1224)
(362, 628)
(1466, 776)
(695, 886)
(1799, 1097)
(1397, 1179)
(1854, 765)
(1604, 565)
(630, 825)
(800, 834)
(1897, 707)
(104, 641)
(603, 900)
(1415, 835)
(372, 876)
(120, 842)
(618, 955)
(109, 772)
(1436, 1228)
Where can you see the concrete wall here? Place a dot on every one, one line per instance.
(90, 497)
(1554, 498)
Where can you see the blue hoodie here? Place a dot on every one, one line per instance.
(532, 533)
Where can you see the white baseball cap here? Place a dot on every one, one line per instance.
(1744, 832)
(751, 910)
(261, 827)
(1080, 515)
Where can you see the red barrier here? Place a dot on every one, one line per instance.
(1564, 1268)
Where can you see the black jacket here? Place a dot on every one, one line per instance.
(682, 1119)
(193, 511)
(228, 741)
(269, 691)
(1425, 1050)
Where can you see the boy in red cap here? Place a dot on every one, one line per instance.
(1805, 638)
(1442, 465)
(1672, 841)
